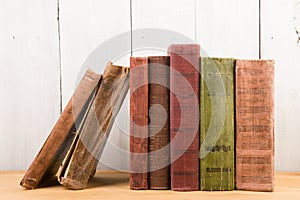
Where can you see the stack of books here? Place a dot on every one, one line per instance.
(196, 123)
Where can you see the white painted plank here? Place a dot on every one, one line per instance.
(29, 79)
(116, 151)
(279, 42)
(228, 28)
(84, 25)
(176, 17)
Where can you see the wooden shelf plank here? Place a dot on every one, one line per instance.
(114, 185)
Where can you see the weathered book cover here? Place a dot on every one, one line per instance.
(255, 125)
(159, 130)
(184, 116)
(217, 124)
(138, 179)
(64, 164)
(49, 158)
(96, 128)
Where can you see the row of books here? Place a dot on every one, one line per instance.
(201, 123)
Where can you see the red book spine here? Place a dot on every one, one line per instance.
(138, 123)
(184, 116)
(255, 125)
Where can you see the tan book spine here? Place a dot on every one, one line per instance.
(255, 125)
(97, 126)
(47, 162)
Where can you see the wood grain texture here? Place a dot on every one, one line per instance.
(184, 116)
(85, 32)
(279, 42)
(29, 79)
(159, 126)
(254, 108)
(49, 158)
(97, 127)
(139, 123)
(228, 28)
(169, 15)
(113, 185)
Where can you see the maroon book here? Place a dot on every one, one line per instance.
(159, 134)
(138, 123)
(255, 125)
(184, 116)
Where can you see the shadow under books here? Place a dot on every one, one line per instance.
(99, 180)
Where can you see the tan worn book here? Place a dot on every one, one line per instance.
(49, 158)
(255, 125)
(66, 160)
(80, 164)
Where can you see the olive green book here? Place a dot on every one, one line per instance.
(217, 124)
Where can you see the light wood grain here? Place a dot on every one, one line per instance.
(279, 42)
(114, 185)
(84, 25)
(177, 17)
(228, 28)
(29, 79)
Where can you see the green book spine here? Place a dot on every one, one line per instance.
(217, 124)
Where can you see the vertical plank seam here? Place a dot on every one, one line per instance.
(259, 29)
(195, 4)
(131, 30)
(59, 59)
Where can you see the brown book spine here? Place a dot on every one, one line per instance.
(255, 125)
(138, 123)
(70, 151)
(96, 128)
(59, 139)
(159, 130)
(184, 116)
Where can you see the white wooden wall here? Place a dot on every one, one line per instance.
(29, 79)
(41, 61)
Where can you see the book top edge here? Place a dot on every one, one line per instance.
(256, 60)
(191, 49)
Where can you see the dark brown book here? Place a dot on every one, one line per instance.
(49, 158)
(184, 116)
(159, 131)
(138, 123)
(255, 125)
(96, 128)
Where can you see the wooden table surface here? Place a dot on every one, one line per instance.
(114, 185)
